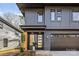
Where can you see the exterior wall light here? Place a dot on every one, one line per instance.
(47, 37)
(51, 35)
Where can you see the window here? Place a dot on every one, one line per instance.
(75, 16)
(52, 15)
(59, 18)
(58, 11)
(1, 25)
(40, 37)
(5, 41)
(40, 17)
(59, 15)
(31, 39)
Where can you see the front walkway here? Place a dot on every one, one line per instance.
(58, 53)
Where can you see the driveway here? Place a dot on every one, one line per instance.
(58, 53)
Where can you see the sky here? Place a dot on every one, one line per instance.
(9, 7)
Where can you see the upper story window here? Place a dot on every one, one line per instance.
(59, 15)
(75, 15)
(58, 11)
(52, 15)
(56, 15)
(40, 17)
(59, 18)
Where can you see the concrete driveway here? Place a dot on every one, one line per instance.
(64, 53)
(58, 53)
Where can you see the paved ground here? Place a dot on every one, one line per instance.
(58, 53)
(65, 53)
(41, 53)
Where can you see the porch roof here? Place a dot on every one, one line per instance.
(32, 27)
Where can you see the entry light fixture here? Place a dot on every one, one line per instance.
(51, 35)
(47, 37)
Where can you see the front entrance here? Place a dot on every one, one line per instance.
(35, 39)
(65, 42)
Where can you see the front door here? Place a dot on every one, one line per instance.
(35, 39)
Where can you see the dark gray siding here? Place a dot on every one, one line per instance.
(47, 41)
(31, 17)
(65, 23)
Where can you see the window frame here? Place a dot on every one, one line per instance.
(38, 40)
(73, 17)
(53, 10)
(39, 13)
(1, 25)
(32, 39)
(5, 42)
(60, 19)
(59, 11)
(59, 14)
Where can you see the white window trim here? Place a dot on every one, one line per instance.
(40, 15)
(59, 19)
(52, 17)
(73, 16)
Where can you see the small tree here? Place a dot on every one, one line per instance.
(22, 42)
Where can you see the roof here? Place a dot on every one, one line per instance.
(32, 27)
(10, 25)
(24, 6)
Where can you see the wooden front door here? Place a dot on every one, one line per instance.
(37, 39)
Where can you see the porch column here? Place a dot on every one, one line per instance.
(26, 41)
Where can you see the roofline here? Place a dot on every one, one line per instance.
(43, 27)
(23, 6)
(10, 25)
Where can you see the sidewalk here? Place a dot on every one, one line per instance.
(12, 52)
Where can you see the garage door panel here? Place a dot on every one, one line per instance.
(65, 42)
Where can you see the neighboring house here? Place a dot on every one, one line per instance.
(52, 26)
(14, 19)
(17, 20)
(10, 36)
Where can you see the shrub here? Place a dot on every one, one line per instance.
(21, 50)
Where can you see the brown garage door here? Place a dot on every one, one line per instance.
(65, 42)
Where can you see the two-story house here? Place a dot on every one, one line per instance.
(52, 26)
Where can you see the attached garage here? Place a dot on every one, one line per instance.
(65, 41)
